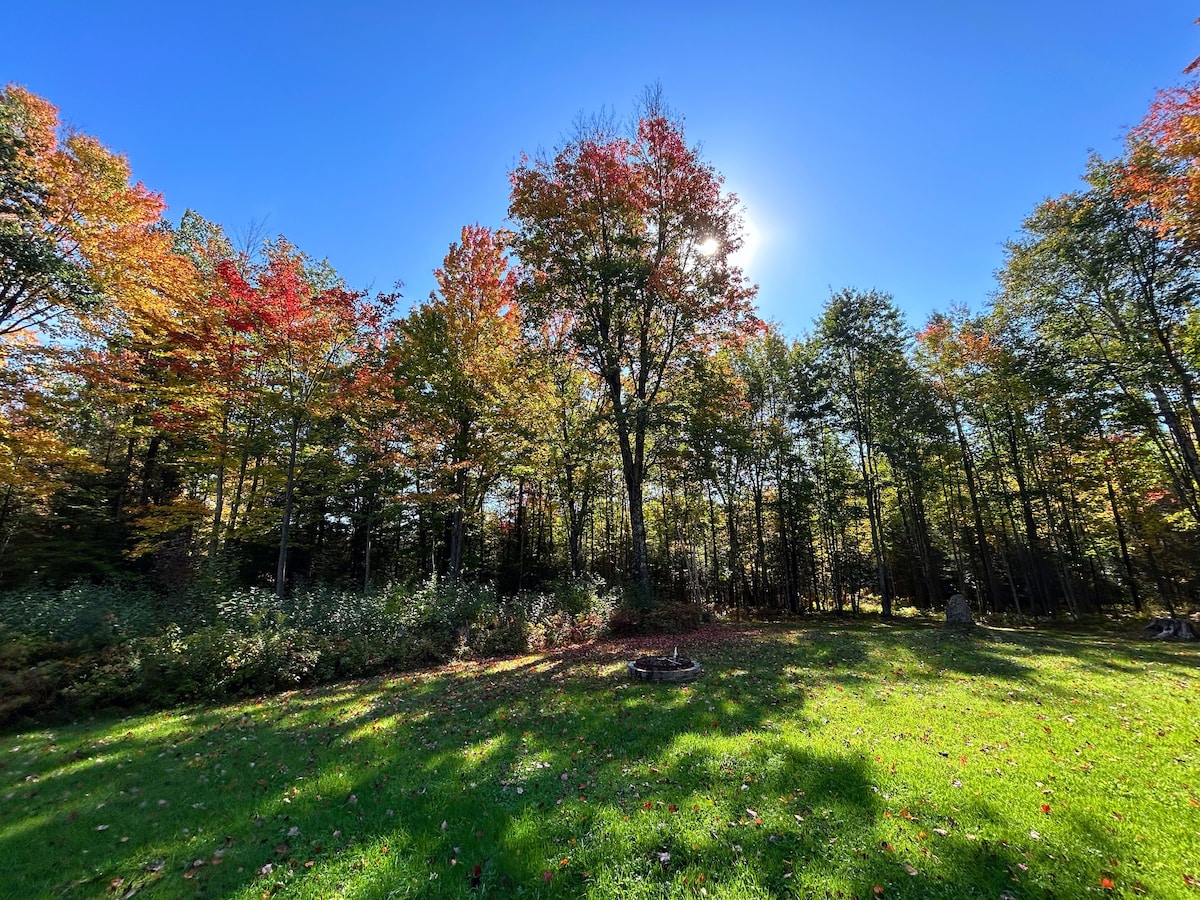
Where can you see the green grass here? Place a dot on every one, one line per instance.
(844, 760)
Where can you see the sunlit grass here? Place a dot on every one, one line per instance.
(859, 758)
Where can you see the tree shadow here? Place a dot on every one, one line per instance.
(552, 773)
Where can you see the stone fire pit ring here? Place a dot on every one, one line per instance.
(664, 668)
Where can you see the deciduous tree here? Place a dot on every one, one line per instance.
(629, 238)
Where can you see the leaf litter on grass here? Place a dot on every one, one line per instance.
(806, 760)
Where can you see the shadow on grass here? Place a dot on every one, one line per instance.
(552, 774)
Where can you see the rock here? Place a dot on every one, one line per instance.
(958, 611)
(1170, 629)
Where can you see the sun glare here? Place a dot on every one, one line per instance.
(750, 241)
(710, 246)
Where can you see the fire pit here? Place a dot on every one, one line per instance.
(665, 668)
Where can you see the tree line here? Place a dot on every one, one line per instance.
(589, 392)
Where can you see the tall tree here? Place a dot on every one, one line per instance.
(73, 230)
(458, 371)
(862, 341)
(1162, 168)
(1097, 275)
(307, 329)
(630, 237)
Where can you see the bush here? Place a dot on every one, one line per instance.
(563, 629)
(217, 661)
(85, 614)
(88, 647)
(27, 690)
(501, 635)
(625, 622)
(670, 618)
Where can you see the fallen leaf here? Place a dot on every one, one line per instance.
(1107, 884)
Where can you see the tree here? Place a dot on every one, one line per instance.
(952, 352)
(306, 331)
(862, 350)
(1162, 168)
(629, 239)
(72, 228)
(457, 366)
(1095, 275)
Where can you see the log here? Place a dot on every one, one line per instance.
(1168, 629)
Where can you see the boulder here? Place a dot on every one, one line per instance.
(958, 611)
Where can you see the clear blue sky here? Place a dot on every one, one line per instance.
(875, 145)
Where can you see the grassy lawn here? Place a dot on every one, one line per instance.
(841, 760)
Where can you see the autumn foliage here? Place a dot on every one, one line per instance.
(1163, 169)
(588, 397)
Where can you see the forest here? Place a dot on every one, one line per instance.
(586, 420)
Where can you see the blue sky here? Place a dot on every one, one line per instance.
(875, 145)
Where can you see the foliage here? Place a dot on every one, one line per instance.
(86, 647)
(589, 397)
(84, 614)
(628, 242)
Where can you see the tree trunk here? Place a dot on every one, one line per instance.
(992, 586)
(289, 489)
(1122, 541)
(633, 469)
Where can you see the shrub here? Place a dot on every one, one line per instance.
(217, 661)
(86, 647)
(625, 622)
(83, 614)
(665, 618)
(500, 635)
(563, 629)
(27, 690)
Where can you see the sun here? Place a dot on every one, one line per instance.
(709, 246)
